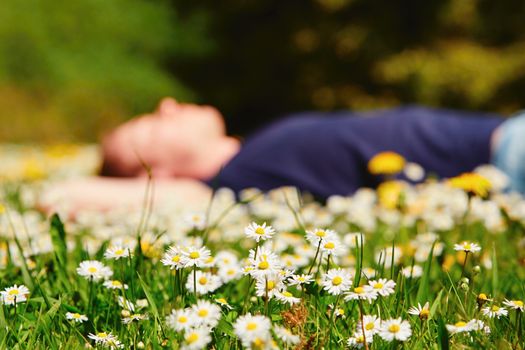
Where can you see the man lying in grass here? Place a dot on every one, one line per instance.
(189, 153)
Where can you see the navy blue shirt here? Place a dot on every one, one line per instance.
(328, 153)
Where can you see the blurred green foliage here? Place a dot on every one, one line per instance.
(70, 70)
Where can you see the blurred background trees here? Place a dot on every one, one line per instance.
(70, 70)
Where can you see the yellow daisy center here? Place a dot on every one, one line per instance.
(393, 328)
(287, 294)
(260, 231)
(14, 292)
(263, 265)
(251, 326)
(119, 251)
(337, 280)
(369, 326)
(320, 233)
(460, 324)
(76, 315)
(102, 335)
(359, 290)
(222, 300)
(495, 308)
(116, 284)
(518, 303)
(203, 313)
(378, 285)
(424, 313)
(203, 280)
(92, 269)
(195, 255)
(329, 245)
(270, 285)
(176, 258)
(192, 338)
(183, 319)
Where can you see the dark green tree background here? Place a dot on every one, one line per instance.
(70, 70)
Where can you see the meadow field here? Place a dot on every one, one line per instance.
(438, 265)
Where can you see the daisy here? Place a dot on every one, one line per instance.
(193, 256)
(180, 320)
(460, 327)
(94, 270)
(372, 325)
(494, 311)
(287, 297)
(15, 294)
(265, 263)
(196, 339)
(76, 317)
(423, 312)
(317, 235)
(364, 292)
(268, 286)
(482, 299)
(414, 271)
(114, 284)
(259, 232)
(134, 317)
(358, 340)
(395, 329)
(332, 246)
(383, 286)
(467, 247)
(117, 252)
(125, 304)
(297, 280)
(336, 281)
(226, 259)
(249, 327)
(286, 335)
(207, 314)
(195, 220)
(229, 273)
(205, 282)
(223, 302)
(106, 339)
(514, 304)
(173, 258)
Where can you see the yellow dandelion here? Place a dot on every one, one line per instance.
(387, 163)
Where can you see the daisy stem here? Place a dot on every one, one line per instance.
(315, 257)
(247, 294)
(266, 296)
(332, 317)
(362, 323)
(195, 280)
(464, 264)
(90, 300)
(328, 262)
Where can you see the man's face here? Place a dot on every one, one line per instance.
(170, 140)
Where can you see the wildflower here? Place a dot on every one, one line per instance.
(471, 183)
(482, 299)
(268, 286)
(494, 311)
(358, 340)
(467, 247)
(317, 235)
(107, 340)
(286, 335)
(332, 246)
(249, 327)
(126, 304)
(94, 270)
(76, 317)
(423, 312)
(117, 252)
(196, 338)
(459, 327)
(414, 172)
(114, 284)
(387, 163)
(395, 329)
(514, 304)
(134, 317)
(336, 281)
(266, 263)
(193, 256)
(287, 297)
(180, 320)
(372, 325)
(195, 220)
(300, 279)
(364, 292)
(207, 314)
(229, 273)
(383, 286)
(259, 232)
(224, 302)
(205, 282)
(414, 271)
(15, 294)
(173, 258)
(226, 259)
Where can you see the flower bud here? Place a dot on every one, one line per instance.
(476, 269)
(125, 313)
(140, 345)
(464, 286)
(465, 280)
